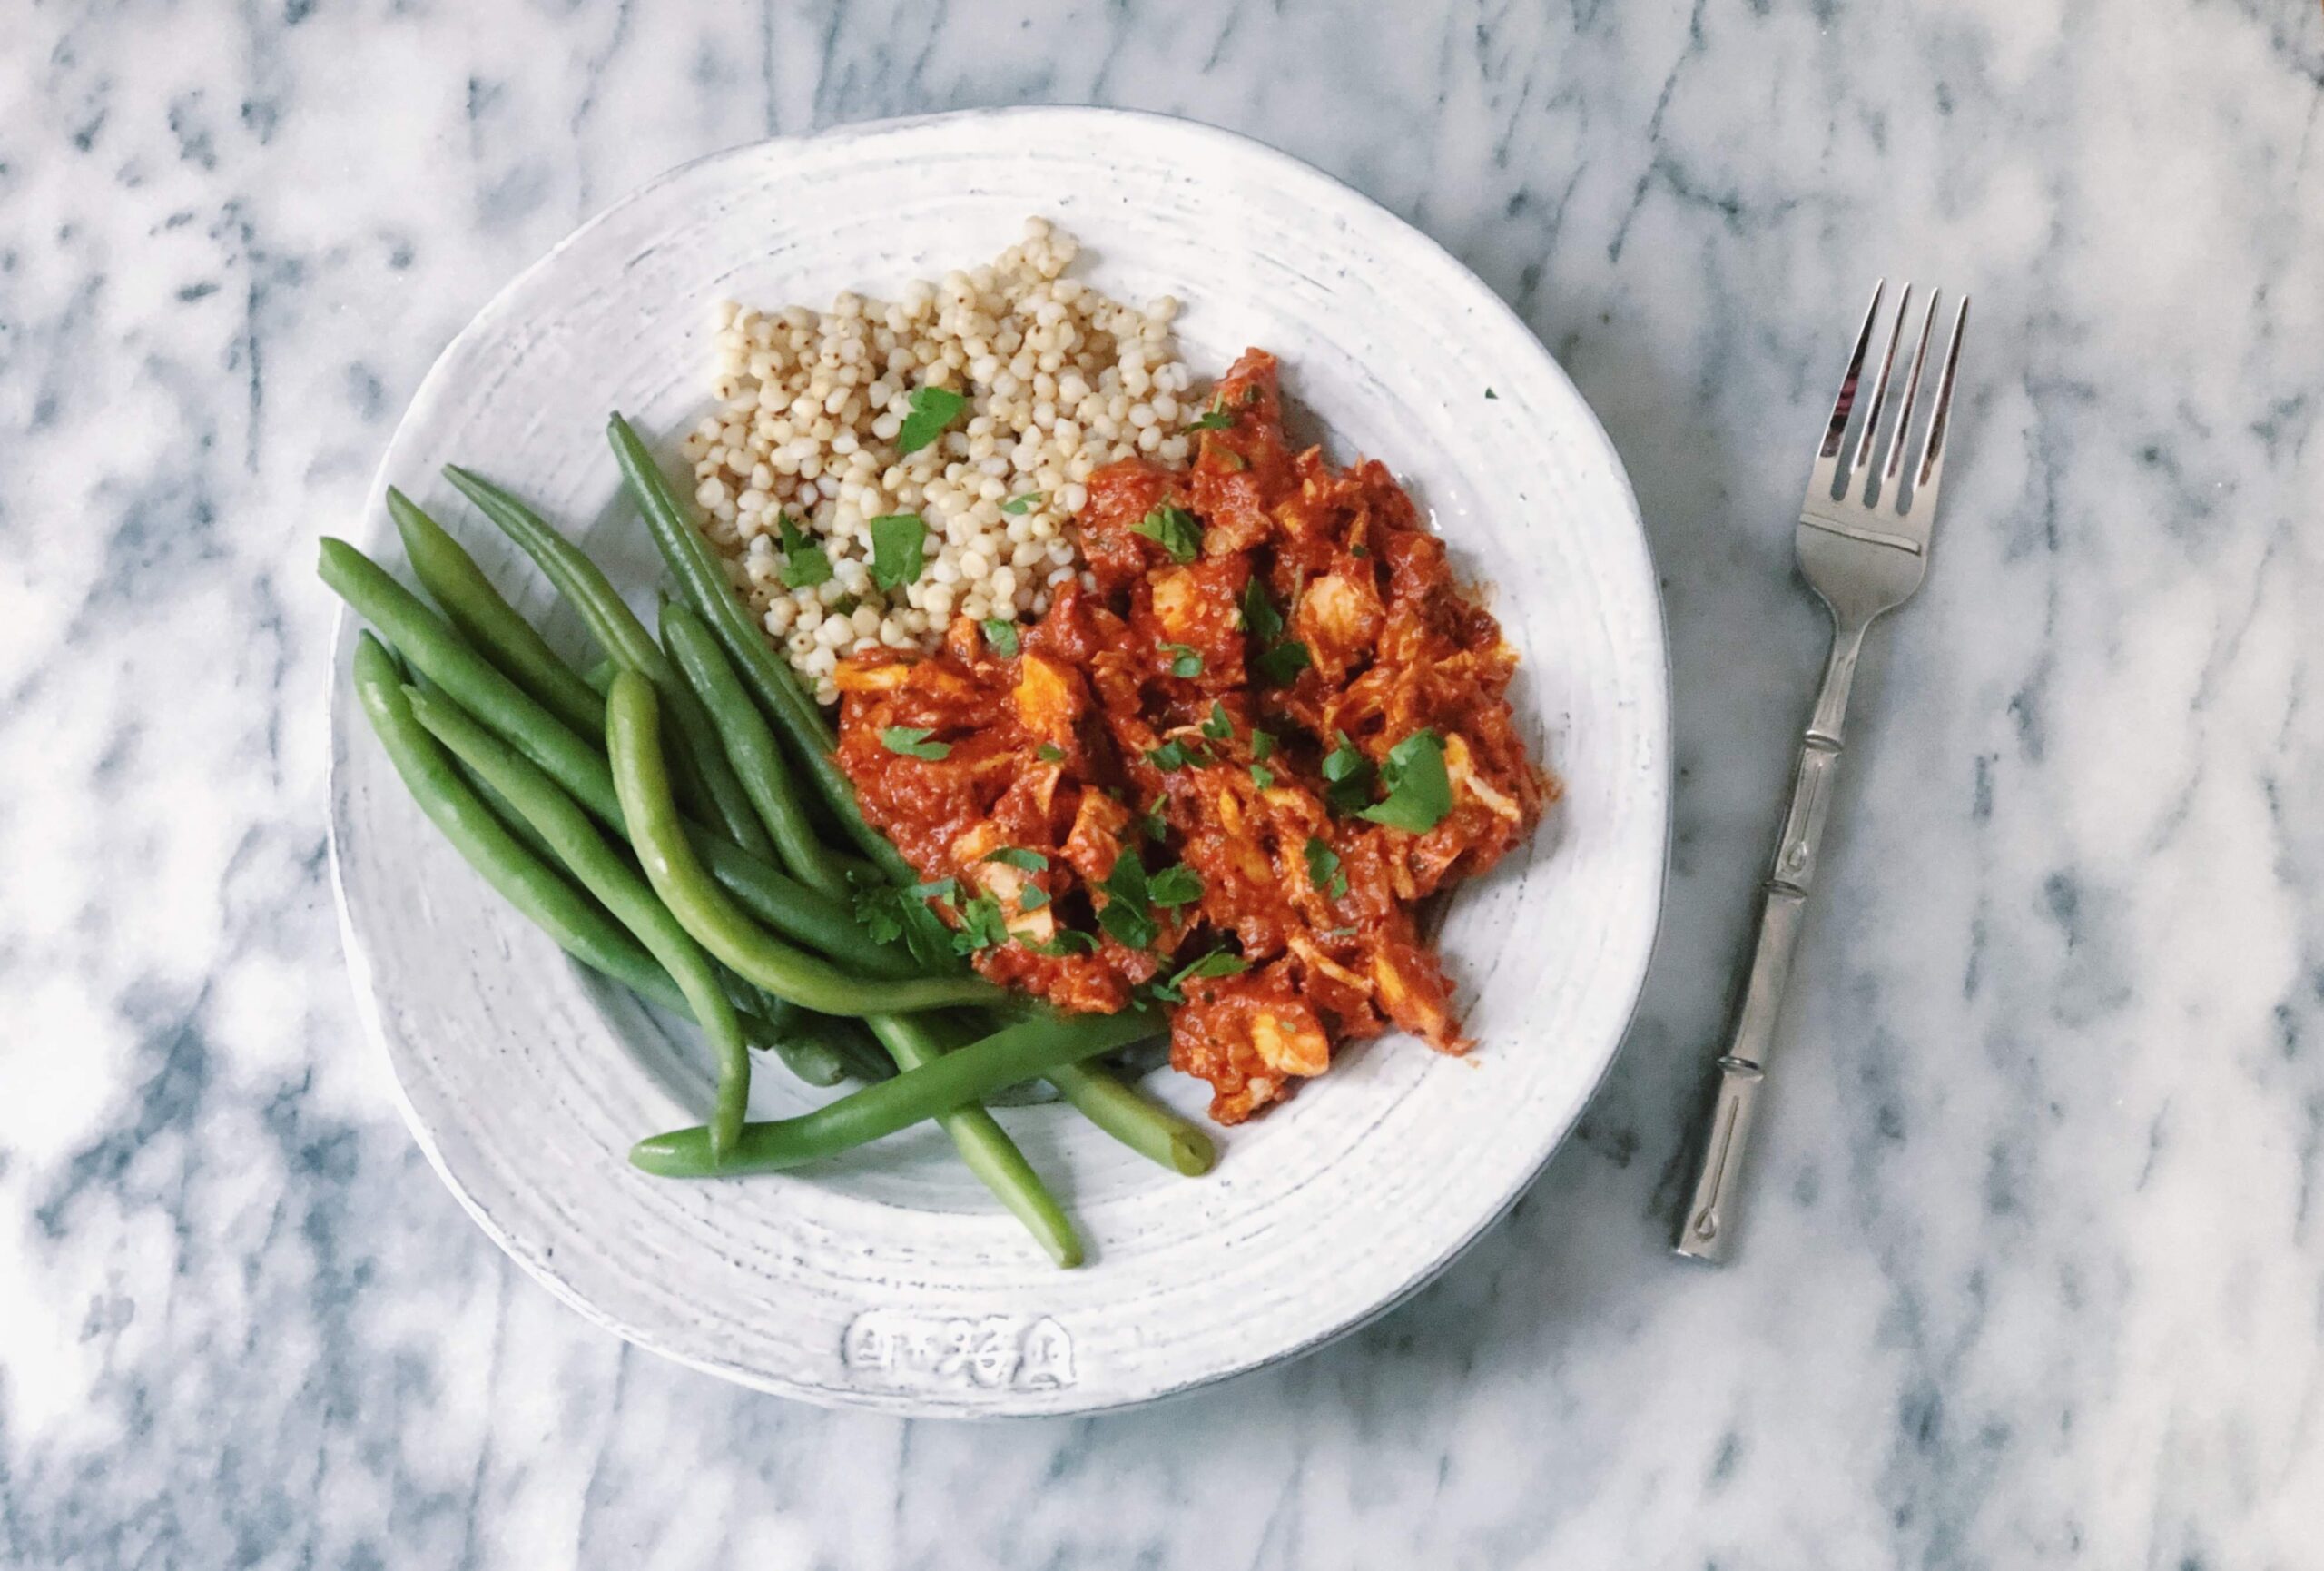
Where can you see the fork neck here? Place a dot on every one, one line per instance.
(1825, 726)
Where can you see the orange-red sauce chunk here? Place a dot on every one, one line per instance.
(1102, 735)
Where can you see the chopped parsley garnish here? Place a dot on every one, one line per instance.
(1262, 776)
(1262, 744)
(1175, 755)
(1217, 962)
(1032, 897)
(1186, 660)
(1260, 619)
(1490, 394)
(1155, 825)
(982, 926)
(1016, 856)
(804, 563)
(1348, 777)
(911, 742)
(1215, 420)
(1001, 634)
(1219, 727)
(1324, 869)
(1049, 753)
(1017, 506)
(1177, 884)
(932, 408)
(1127, 914)
(1419, 792)
(889, 914)
(1280, 666)
(1175, 529)
(845, 605)
(899, 544)
(1347, 932)
(1068, 940)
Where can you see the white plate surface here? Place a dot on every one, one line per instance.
(892, 1281)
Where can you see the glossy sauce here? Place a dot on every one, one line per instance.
(1050, 751)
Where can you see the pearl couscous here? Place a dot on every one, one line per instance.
(807, 449)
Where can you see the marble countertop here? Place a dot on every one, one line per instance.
(2035, 1274)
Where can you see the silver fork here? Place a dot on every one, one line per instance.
(1863, 546)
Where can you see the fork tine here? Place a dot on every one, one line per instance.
(1932, 465)
(1880, 389)
(1888, 488)
(1827, 457)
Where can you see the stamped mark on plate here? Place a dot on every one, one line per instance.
(931, 1352)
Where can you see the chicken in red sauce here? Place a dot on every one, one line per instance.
(1227, 775)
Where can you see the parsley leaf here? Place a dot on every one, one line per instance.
(932, 408)
(889, 914)
(1017, 856)
(1260, 619)
(804, 563)
(1156, 826)
(1262, 744)
(1177, 884)
(1419, 792)
(1068, 940)
(1049, 753)
(1017, 506)
(982, 926)
(911, 742)
(1032, 897)
(898, 550)
(1126, 915)
(1348, 773)
(1217, 962)
(1262, 776)
(1186, 661)
(1324, 869)
(1175, 529)
(1215, 420)
(1175, 755)
(1280, 666)
(1001, 634)
(1219, 727)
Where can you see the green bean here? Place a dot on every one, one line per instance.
(1035, 1047)
(1152, 1130)
(527, 882)
(984, 1147)
(442, 656)
(632, 734)
(452, 578)
(701, 762)
(606, 874)
(751, 746)
(701, 579)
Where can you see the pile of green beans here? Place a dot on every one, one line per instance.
(658, 817)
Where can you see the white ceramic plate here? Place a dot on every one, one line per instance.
(892, 1280)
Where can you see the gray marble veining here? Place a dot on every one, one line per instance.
(2035, 1271)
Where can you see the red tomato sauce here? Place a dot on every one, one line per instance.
(1273, 649)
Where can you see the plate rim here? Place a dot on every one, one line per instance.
(908, 1403)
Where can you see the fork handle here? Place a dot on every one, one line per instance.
(1707, 1230)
